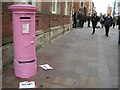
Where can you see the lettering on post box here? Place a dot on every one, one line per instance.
(25, 27)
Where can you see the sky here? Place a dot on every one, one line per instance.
(101, 5)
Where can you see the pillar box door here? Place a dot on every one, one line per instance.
(23, 20)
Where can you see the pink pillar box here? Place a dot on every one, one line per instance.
(23, 17)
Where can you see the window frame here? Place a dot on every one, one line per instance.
(67, 8)
(54, 9)
(28, 1)
(82, 3)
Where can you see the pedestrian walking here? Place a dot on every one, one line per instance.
(74, 19)
(89, 18)
(114, 21)
(107, 24)
(102, 20)
(118, 23)
(81, 17)
(94, 20)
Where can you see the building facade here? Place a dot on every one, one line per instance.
(109, 10)
(88, 4)
(118, 6)
(52, 20)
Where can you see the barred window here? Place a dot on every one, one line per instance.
(67, 7)
(54, 6)
(32, 2)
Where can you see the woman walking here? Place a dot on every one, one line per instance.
(94, 20)
(107, 24)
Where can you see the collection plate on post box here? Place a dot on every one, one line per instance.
(25, 28)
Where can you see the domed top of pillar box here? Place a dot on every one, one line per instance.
(20, 8)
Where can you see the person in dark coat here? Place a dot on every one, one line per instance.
(114, 21)
(80, 17)
(89, 18)
(118, 23)
(74, 19)
(94, 20)
(102, 20)
(107, 24)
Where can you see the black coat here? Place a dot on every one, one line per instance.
(118, 22)
(108, 21)
(94, 20)
(88, 18)
(80, 17)
(74, 16)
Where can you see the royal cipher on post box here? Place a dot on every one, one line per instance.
(23, 21)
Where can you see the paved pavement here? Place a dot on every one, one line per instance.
(79, 60)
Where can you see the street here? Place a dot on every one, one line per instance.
(79, 60)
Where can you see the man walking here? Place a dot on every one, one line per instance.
(81, 17)
(102, 20)
(89, 17)
(94, 20)
(74, 18)
(114, 21)
(107, 24)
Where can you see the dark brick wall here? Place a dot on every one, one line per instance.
(6, 23)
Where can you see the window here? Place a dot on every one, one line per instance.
(81, 4)
(32, 2)
(67, 7)
(39, 5)
(58, 7)
(54, 6)
(24, 1)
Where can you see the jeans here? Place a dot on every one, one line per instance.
(107, 30)
(94, 26)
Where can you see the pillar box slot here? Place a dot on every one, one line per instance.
(21, 62)
(23, 20)
(24, 17)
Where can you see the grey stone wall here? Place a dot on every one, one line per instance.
(7, 54)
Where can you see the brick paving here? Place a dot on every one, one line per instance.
(79, 60)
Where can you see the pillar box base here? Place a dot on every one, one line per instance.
(25, 70)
